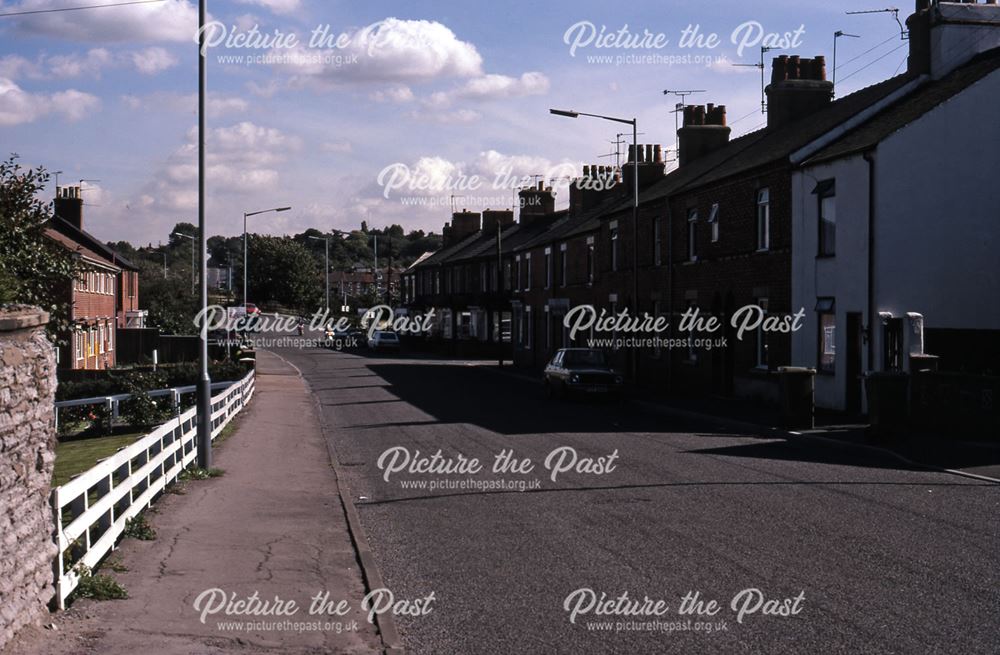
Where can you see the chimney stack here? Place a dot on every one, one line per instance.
(493, 217)
(704, 130)
(651, 165)
(587, 190)
(463, 224)
(68, 205)
(943, 36)
(535, 203)
(798, 88)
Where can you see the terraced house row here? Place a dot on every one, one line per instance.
(874, 212)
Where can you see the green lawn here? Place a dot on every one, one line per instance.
(73, 457)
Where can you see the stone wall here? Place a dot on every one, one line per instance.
(27, 455)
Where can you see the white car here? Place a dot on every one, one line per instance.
(383, 340)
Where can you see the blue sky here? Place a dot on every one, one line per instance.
(446, 90)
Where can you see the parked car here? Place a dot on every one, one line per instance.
(252, 308)
(383, 340)
(581, 371)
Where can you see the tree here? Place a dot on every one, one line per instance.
(33, 269)
(283, 272)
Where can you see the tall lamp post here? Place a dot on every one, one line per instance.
(194, 243)
(326, 244)
(635, 208)
(204, 387)
(246, 215)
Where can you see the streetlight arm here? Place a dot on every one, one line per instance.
(574, 114)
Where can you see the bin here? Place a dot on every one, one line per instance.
(887, 401)
(798, 396)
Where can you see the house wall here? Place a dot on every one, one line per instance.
(936, 237)
(842, 276)
(93, 315)
(931, 182)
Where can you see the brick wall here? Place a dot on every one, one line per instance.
(27, 440)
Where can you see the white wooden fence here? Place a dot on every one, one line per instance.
(91, 509)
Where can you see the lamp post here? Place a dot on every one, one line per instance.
(246, 215)
(326, 244)
(204, 388)
(193, 263)
(635, 208)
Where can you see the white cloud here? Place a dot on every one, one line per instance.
(13, 67)
(240, 159)
(18, 106)
(394, 50)
(489, 87)
(153, 60)
(186, 103)
(446, 117)
(397, 94)
(170, 20)
(277, 6)
(92, 63)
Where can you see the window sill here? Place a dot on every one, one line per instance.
(762, 251)
(826, 256)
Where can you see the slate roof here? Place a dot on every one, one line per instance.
(913, 106)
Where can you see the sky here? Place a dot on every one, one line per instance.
(379, 111)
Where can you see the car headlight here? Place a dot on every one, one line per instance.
(618, 379)
(574, 378)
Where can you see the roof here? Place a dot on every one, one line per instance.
(910, 108)
(78, 248)
(92, 243)
(745, 153)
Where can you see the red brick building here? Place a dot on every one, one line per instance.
(105, 295)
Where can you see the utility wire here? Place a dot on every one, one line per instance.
(878, 45)
(873, 61)
(58, 9)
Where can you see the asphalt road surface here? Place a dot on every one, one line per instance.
(860, 553)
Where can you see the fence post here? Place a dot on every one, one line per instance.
(175, 401)
(112, 407)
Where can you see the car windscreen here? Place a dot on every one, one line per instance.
(584, 358)
(387, 336)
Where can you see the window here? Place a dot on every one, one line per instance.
(527, 271)
(548, 268)
(482, 277)
(826, 357)
(562, 265)
(614, 245)
(713, 220)
(79, 342)
(590, 260)
(529, 328)
(761, 355)
(517, 264)
(657, 242)
(100, 339)
(827, 232)
(692, 235)
(763, 219)
(507, 273)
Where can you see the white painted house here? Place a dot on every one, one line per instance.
(896, 216)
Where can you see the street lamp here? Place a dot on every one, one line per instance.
(326, 245)
(635, 207)
(245, 216)
(194, 241)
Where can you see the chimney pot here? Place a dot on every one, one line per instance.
(649, 153)
(658, 154)
(779, 68)
(794, 67)
(819, 68)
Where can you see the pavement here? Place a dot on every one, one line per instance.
(888, 556)
(273, 523)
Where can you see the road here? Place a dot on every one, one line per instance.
(864, 554)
